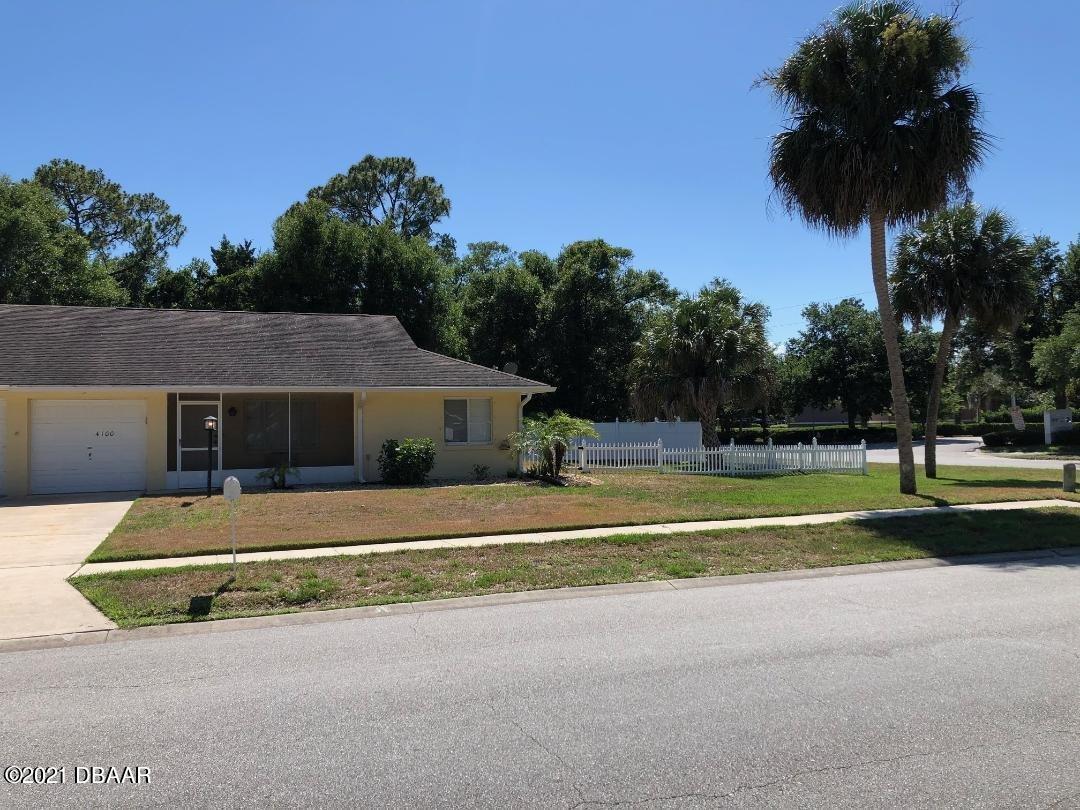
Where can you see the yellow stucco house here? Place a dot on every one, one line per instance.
(99, 399)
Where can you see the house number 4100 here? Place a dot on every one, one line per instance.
(105, 433)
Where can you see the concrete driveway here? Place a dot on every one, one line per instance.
(961, 451)
(43, 541)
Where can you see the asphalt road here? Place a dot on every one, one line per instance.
(949, 686)
(964, 451)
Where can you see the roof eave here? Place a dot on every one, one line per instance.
(183, 389)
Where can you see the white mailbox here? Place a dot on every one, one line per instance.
(231, 489)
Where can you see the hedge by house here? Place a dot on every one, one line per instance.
(1031, 437)
(407, 461)
(845, 435)
(1002, 416)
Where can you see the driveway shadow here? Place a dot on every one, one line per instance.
(70, 500)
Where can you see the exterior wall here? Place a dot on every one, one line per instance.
(17, 455)
(411, 414)
(382, 415)
(827, 416)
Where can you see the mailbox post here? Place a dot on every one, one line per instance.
(231, 489)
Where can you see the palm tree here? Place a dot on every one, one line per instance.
(880, 133)
(547, 438)
(704, 352)
(961, 263)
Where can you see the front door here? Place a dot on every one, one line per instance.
(192, 455)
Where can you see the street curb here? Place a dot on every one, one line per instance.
(93, 637)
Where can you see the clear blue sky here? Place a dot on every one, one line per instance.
(546, 122)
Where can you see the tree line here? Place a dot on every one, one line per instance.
(617, 341)
(366, 241)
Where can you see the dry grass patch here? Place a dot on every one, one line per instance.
(133, 598)
(184, 525)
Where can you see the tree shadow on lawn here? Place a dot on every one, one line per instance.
(1049, 483)
(967, 537)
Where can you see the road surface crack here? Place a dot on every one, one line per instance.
(786, 778)
(1063, 800)
(110, 686)
(551, 752)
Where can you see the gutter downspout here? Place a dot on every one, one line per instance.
(359, 438)
(520, 425)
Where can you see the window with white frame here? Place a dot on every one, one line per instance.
(467, 421)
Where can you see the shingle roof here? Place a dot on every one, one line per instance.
(104, 346)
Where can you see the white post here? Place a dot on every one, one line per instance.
(659, 455)
(583, 454)
(813, 454)
(231, 490)
(800, 455)
(865, 470)
(232, 522)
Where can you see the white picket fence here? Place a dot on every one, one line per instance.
(731, 459)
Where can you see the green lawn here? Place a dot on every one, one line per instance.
(1064, 452)
(185, 525)
(194, 593)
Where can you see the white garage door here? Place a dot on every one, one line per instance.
(3, 444)
(87, 445)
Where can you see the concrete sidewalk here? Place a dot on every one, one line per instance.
(574, 534)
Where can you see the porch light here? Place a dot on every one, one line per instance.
(210, 423)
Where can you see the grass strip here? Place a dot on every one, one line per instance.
(197, 593)
(188, 525)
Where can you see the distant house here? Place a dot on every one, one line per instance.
(99, 399)
(835, 415)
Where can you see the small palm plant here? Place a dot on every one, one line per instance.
(547, 438)
(278, 475)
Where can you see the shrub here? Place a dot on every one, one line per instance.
(407, 461)
(480, 471)
(969, 429)
(278, 475)
(1069, 437)
(1003, 416)
(1013, 438)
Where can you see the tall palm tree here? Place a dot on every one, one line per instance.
(955, 264)
(880, 133)
(704, 352)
